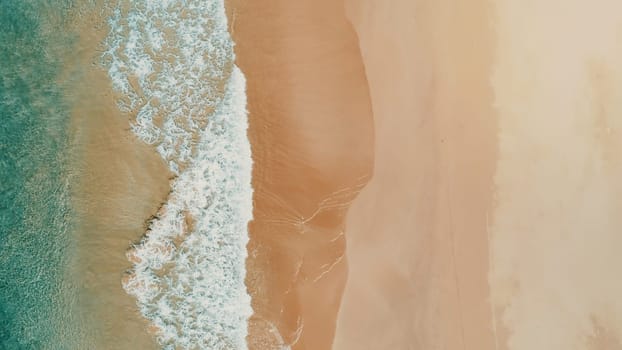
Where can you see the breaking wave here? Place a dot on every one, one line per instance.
(172, 66)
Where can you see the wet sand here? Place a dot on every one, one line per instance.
(122, 182)
(311, 135)
(417, 234)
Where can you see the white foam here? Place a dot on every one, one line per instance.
(168, 61)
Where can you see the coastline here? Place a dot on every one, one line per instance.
(311, 133)
(172, 68)
(429, 175)
(418, 234)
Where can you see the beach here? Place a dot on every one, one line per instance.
(420, 179)
(503, 240)
(557, 222)
(310, 127)
(491, 203)
(417, 235)
(311, 175)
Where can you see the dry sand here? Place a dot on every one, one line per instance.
(311, 135)
(417, 237)
(555, 276)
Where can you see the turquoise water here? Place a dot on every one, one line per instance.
(44, 299)
(35, 213)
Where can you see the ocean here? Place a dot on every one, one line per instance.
(36, 293)
(170, 66)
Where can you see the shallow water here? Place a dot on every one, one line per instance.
(72, 196)
(171, 64)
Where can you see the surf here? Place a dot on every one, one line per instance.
(171, 64)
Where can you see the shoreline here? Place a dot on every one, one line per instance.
(436, 239)
(311, 136)
(186, 99)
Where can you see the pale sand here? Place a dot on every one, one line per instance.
(417, 234)
(311, 134)
(554, 255)
(122, 182)
(556, 236)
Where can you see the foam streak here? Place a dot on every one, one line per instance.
(171, 62)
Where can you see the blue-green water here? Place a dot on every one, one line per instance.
(35, 214)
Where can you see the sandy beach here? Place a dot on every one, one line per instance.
(311, 135)
(465, 234)
(417, 242)
(498, 227)
(557, 220)
(417, 235)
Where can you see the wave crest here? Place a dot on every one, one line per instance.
(171, 62)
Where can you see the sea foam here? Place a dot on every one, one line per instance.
(171, 65)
